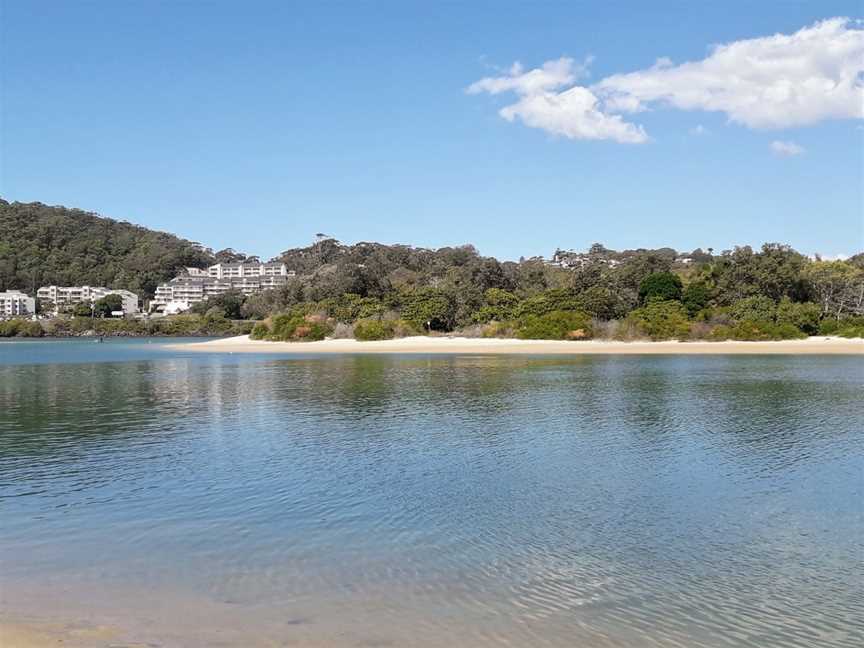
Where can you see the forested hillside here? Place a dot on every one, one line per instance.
(41, 245)
(373, 290)
(378, 291)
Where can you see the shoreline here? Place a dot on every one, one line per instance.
(507, 346)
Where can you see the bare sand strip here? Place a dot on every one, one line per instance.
(457, 345)
(43, 634)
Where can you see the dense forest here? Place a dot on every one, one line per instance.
(42, 245)
(374, 291)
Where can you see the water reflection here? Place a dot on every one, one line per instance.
(619, 501)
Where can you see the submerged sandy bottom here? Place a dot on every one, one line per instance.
(87, 615)
(422, 344)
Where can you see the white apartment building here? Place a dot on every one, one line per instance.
(67, 295)
(241, 269)
(197, 285)
(14, 303)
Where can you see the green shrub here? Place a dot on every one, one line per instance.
(369, 330)
(851, 332)
(428, 308)
(804, 316)
(749, 330)
(242, 327)
(835, 326)
(287, 327)
(499, 329)
(260, 331)
(600, 302)
(720, 333)
(82, 309)
(499, 305)
(661, 320)
(175, 325)
(754, 309)
(9, 328)
(660, 286)
(349, 307)
(20, 328)
(312, 331)
(557, 325)
(549, 301)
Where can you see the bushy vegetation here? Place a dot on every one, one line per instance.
(804, 316)
(556, 325)
(382, 329)
(750, 330)
(849, 327)
(292, 327)
(745, 294)
(662, 319)
(740, 293)
(228, 305)
(660, 286)
(178, 325)
(20, 328)
(107, 305)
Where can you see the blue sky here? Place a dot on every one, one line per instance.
(256, 125)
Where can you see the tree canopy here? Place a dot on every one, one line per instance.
(43, 245)
(772, 291)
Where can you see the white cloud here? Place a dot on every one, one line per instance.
(552, 75)
(779, 81)
(574, 112)
(786, 149)
(699, 129)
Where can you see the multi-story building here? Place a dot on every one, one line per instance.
(14, 303)
(246, 269)
(197, 285)
(68, 295)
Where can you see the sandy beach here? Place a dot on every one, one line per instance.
(457, 345)
(33, 633)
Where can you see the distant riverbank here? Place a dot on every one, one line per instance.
(422, 344)
(191, 325)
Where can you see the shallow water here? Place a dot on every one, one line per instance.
(201, 499)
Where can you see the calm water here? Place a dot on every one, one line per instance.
(202, 500)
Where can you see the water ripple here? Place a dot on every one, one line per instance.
(698, 502)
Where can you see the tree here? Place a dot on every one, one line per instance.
(428, 309)
(838, 287)
(660, 285)
(43, 245)
(754, 309)
(662, 320)
(695, 297)
(558, 299)
(775, 272)
(230, 304)
(601, 302)
(499, 305)
(108, 304)
(82, 309)
(637, 266)
(804, 316)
